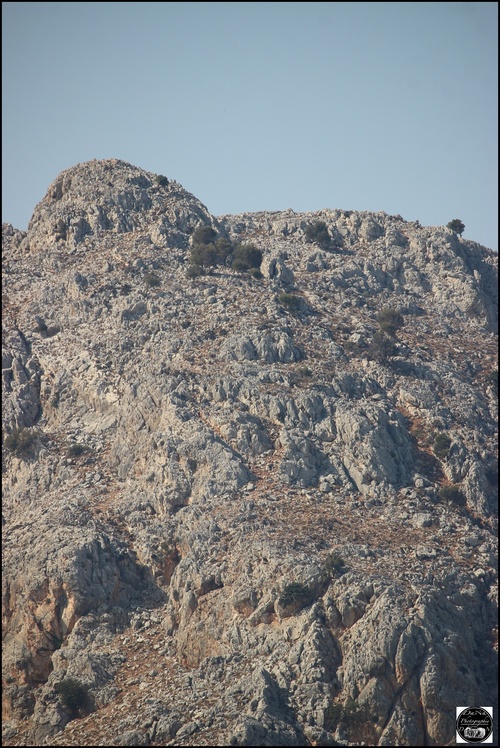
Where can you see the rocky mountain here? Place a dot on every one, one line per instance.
(244, 504)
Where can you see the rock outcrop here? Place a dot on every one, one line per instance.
(244, 509)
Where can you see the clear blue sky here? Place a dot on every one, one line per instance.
(261, 106)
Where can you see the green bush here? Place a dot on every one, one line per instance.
(390, 320)
(73, 696)
(161, 180)
(21, 442)
(209, 254)
(204, 255)
(295, 593)
(452, 493)
(334, 564)
(77, 450)
(318, 233)
(381, 347)
(456, 225)
(209, 250)
(224, 248)
(441, 446)
(245, 257)
(204, 235)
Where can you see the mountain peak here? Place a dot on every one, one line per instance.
(110, 195)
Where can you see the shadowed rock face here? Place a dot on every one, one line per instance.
(232, 511)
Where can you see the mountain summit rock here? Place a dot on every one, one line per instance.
(247, 502)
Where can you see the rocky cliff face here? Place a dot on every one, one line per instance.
(244, 509)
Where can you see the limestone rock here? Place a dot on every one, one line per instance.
(179, 452)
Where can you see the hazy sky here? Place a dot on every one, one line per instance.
(261, 106)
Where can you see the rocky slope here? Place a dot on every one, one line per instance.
(228, 514)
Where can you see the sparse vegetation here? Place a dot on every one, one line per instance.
(209, 250)
(73, 696)
(290, 301)
(246, 257)
(21, 442)
(452, 493)
(383, 343)
(204, 235)
(204, 255)
(456, 225)
(161, 180)
(224, 248)
(295, 594)
(332, 717)
(61, 230)
(55, 641)
(318, 233)
(390, 320)
(76, 449)
(381, 347)
(492, 475)
(334, 564)
(224, 496)
(441, 446)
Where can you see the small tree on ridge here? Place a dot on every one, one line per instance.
(456, 225)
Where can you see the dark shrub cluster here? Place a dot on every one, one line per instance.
(194, 271)
(452, 493)
(318, 233)
(390, 320)
(73, 696)
(295, 594)
(75, 449)
(491, 473)
(204, 235)
(456, 225)
(209, 250)
(21, 442)
(246, 257)
(334, 564)
(441, 446)
(304, 372)
(382, 346)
